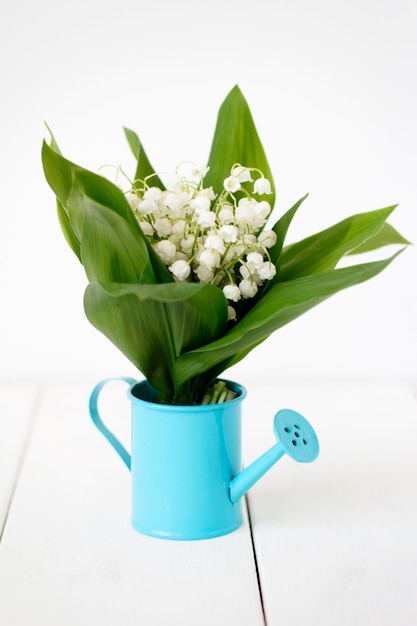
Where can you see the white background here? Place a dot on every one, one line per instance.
(332, 88)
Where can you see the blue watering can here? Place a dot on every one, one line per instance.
(185, 461)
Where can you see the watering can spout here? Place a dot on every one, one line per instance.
(295, 437)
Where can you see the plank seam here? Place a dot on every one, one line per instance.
(23, 452)
(255, 559)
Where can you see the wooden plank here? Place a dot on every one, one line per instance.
(17, 404)
(336, 540)
(69, 555)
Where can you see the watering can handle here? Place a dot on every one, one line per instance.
(95, 416)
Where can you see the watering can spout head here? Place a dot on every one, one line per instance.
(295, 437)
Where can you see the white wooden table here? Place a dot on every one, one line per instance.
(329, 543)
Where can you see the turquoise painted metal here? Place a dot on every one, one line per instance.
(187, 481)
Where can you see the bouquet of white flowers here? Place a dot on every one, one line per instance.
(185, 276)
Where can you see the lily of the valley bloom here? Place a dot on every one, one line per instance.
(207, 238)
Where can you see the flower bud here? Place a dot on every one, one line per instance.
(248, 288)
(229, 233)
(214, 242)
(209, 258)
(152, 194)
(231, 314)
(204, 274)
(267, 238)
(254, 259)
(232, 292)
(163, 227)
(180, 269)
(261, 186)
(241, 173)
(166, 251)
(267, 270)
(231, 184)
(226, 215)
(146, 228)
(187, 243)
(206, 219)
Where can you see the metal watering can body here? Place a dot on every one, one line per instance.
(185, 462)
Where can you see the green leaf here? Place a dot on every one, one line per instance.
(66, 228)
(385, 237)
(143, 168)
(282, 304)
(111, 250)
(236, 140)
(54, 144)
(63, 177)
(154, 324)
(322, 251)
(74, 187)
(280, 228)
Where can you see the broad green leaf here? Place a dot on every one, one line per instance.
(236, 140)
(280, 228)
(322, 251)
(143, 168)
(54, 144)
(73, 185)
(154, 324)
(66, 228)
(78, 200)
(385, 237)
(282, 304)
(63, 176)
(111, 250)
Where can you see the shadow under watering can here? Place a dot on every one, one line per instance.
(185, 461)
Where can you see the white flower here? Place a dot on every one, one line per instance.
(206, 219)
(209, 258)
(229, 233)
(214, 242)
(254, 259)
(241, 173)
(133, 200)
(174, 201)
(194, 170)
(261, 186)
(232, 292)
(166, 251)
(153, 194)
(146, 228)
(178, 227)
(226, 215)
(174, 182)
(231, 313)
(248, 288)
(231, 255)
(187, 243)
(249, 215)
(231, 184)
(239, 248)
(263, 209)
(244, 271)
(205, 275)
(267, 270)
(267, 238)
(145, 207)
(200, 170)
(249, 240)
(163, 227)
(181, 256)
(208, 193)
(180, 269)
(200, 203)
